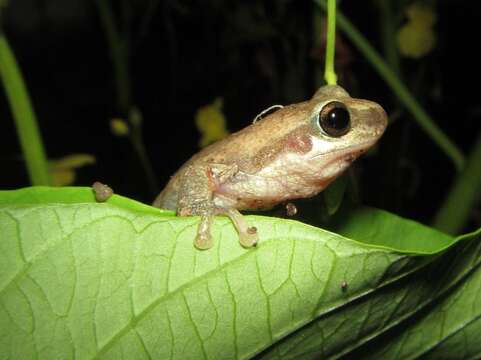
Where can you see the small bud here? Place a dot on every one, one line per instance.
(119, 127)
(102, 192)
(291, 209)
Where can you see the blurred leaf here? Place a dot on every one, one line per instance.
(211, 122)
(62, 171)
(334, 194)
(72, 161)
(465, 192)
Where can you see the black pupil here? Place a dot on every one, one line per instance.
(336, 120)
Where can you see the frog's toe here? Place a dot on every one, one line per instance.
(249, 238)
(247, 235)
(203, 240)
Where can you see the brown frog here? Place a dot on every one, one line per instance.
(293, 153)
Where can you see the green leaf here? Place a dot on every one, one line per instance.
(449, 328)
(71, 195)
(385, 324)
(380, 228)
(122, 279)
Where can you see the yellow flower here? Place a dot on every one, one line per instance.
(62, 171)
(417, 38)
(119, 127)
(211, 123)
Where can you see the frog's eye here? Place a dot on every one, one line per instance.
(334, 119)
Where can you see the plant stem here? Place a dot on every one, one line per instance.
(119, 52)
(388, 34)
(464, 194)
(317, 29)
(119, 55)
(401, 91)
(147, 17)
(330, 72)
(24, 116)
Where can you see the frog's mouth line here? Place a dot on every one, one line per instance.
(354, 150)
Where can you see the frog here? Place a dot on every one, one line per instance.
(292, 153)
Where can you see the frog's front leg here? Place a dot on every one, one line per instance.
(195, 198)
(196, 193)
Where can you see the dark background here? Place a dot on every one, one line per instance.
(253, 54)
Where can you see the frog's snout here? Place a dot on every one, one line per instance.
(383, 118)
(376, 119)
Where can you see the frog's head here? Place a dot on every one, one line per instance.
(339, 122)
(337, 129)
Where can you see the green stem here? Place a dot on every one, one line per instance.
(317, 29)
(135, 121)
(119, 52)
(24, 116)
(401, 91)
(147, 17)
(464, 194)
(388, 33)
(330, 72)
(139, 147)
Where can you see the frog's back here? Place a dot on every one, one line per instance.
(246, 148)
(243, 146)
